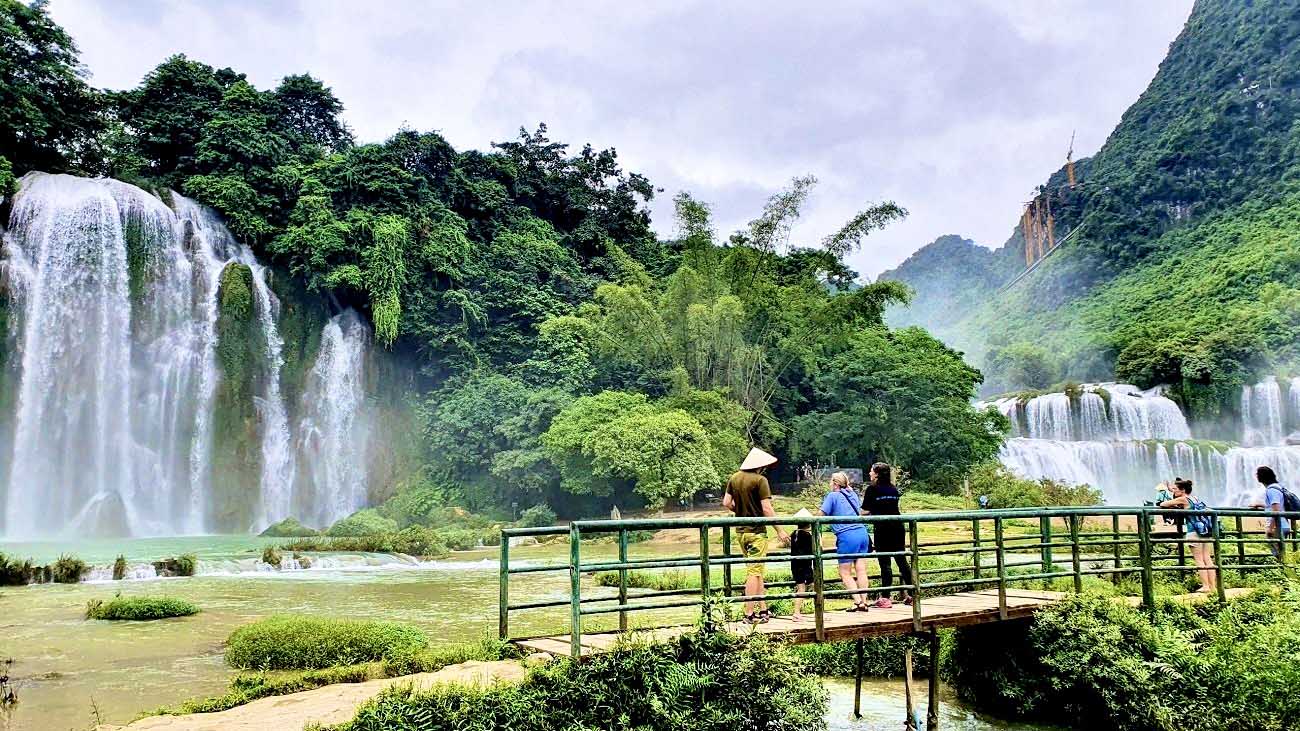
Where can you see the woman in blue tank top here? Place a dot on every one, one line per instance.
(851, 539)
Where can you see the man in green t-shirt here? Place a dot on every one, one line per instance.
(748, 495)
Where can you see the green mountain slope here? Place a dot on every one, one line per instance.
(1184, 263)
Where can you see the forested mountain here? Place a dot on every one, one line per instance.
(1185, 261)
(557, 350)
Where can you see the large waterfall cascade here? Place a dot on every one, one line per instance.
(1124, 441)
(110, 372)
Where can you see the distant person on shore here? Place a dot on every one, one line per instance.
(1199, 530)
(850, 538)
(748, 495)
(882, 499)
(801, 561)
(1275, 499)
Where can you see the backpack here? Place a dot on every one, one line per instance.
(1290, 502)
(1204, 525)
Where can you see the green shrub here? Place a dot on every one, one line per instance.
(140, 608)
(68, 570)
(417, 504)
(301, 643)
(704, 681)
(1007, 490)
(460, 539)
(119, 568)
(881, 657)
(271, 556)
(14, 572)
(367, 522)
(491, 536)
(1092, 662)
(187, 564)
(537, 516)
(289, 528)
(413, 540)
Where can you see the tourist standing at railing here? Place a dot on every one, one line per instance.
(882, 498)
(850, 538)
(748, 495)
(1199, 532)
(1275, 498)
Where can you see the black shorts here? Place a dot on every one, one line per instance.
(802, 571)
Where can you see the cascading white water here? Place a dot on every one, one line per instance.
(335, 427)
(113, 299)
(1141, 438)
(1261, 414)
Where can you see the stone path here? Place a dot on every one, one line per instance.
(331, 704)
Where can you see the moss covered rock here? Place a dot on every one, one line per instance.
(366, 522)
(241, 357)
(289, 528)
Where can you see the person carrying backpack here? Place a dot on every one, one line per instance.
(1200, 530)
(1276, 499)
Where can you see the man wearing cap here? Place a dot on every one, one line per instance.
(748, 495)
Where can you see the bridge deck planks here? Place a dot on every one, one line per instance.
(951, 610)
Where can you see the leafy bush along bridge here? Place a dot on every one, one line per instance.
(971, 567)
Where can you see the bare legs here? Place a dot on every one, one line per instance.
(754, 587)
(1201, 553)
(858, 584)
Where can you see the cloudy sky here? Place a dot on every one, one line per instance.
(955, 110)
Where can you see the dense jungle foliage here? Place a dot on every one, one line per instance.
(1091, 662)
(1184, 269)
(560, 351)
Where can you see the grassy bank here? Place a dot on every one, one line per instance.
(140, 608)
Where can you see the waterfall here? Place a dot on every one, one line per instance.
(335, 427)
(1293, 405)
(112, 299)
(1141, 438)
(1261, 414)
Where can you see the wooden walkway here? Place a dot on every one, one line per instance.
(952, 610)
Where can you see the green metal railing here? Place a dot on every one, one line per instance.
(1100, 541)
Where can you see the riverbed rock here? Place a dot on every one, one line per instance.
(332, 704)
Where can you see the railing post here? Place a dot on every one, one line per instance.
(1114, 524)
(1218, 563)
(622, 579)
(819, 598)
(914, 543)
(1045, 553)
(575, 590)
(1241, 547)
(726, 553)
(706, 581)
(1281, 541)
(1144, 555)
(1074, 554)
(975, 538)
(1002, 568)
(503, 599)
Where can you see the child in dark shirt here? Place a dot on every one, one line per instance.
(801, 546)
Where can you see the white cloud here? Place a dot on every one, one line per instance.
(954, 110)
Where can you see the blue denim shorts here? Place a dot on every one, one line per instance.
(854, 540)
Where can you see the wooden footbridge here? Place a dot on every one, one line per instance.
(968, 568)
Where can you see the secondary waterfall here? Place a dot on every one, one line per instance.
(110, 373)
(335, 428)
(1124, 441)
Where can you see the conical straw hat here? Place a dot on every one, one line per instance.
(757, 458)
(803, 513)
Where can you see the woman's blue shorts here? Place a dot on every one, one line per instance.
(853, 540)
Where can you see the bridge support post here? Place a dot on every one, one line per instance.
(1218, 563)
(975, 541)
(1114, 525)
(1002, 568)
(706, 579)
(932, 709)
(1241, 548)
(1074, 554)
(910, 723)
(1045, 536)
(857, 680)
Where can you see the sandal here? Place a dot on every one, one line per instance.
(753, 619)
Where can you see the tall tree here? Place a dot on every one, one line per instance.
(48, 115)
(307, 113)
